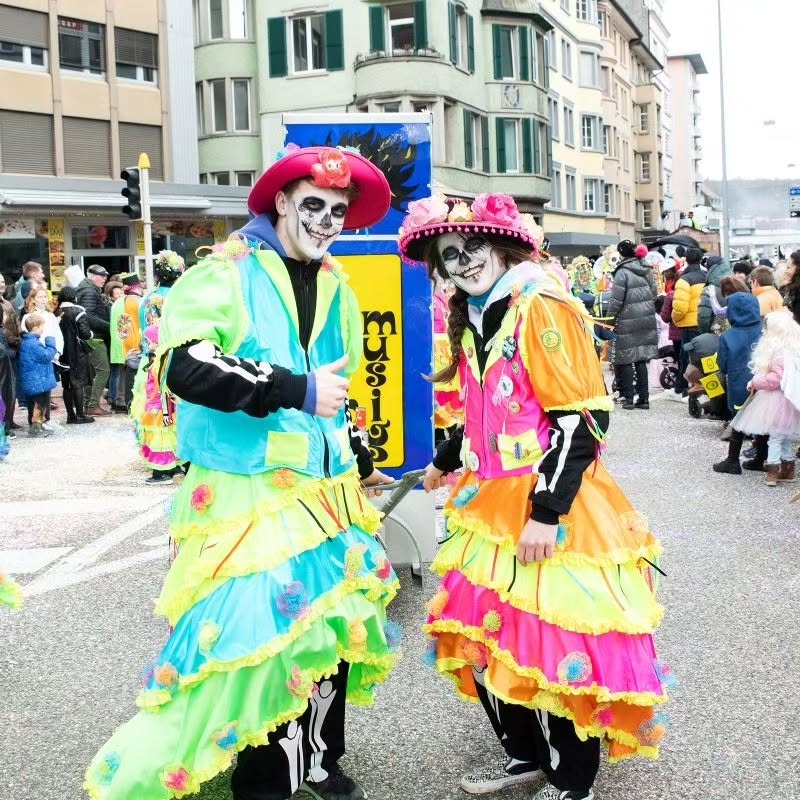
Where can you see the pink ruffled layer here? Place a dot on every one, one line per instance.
(619, 662)
(168, 459)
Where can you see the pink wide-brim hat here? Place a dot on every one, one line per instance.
(369, 207)
(412, 242)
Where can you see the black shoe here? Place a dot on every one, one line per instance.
(71, 419)
(83, 420)
(754, 465)
(119, 409)
(159, 479)
(728, 466)
(14, 427)
(11, 434)
(645, 406)
(751, 452)
(628, 405)
(337, 786)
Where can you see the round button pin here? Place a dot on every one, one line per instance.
(506, 386)
(473, 462)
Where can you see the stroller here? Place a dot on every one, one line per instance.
(669, 366)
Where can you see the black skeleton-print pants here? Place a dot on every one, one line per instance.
(300, 750)
(545, 740)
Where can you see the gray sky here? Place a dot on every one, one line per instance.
(762, 67)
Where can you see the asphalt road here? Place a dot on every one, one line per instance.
(87, 539)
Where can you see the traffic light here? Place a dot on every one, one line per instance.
(132, 193)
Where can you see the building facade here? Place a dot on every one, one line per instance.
(687, 135)
(85, 87)
(478, 66)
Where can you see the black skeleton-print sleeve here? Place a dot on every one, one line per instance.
(448, 453)
(200, 373)
(573, 448)
(362, 453)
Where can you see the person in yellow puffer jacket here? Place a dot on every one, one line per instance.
(685, 303)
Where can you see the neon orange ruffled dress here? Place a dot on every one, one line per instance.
(571, 635)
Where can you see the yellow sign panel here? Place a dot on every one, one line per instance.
(710, 363)
(219, 230)
(712, 385)
(57, 256)
(376, 391)
(139, 238)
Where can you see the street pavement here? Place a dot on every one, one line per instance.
(87, 539)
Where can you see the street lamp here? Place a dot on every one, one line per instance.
(725, 206)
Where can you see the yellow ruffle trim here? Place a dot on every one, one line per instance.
(10, 593)
(224, 759)
(459, 525)
(375, 589)
(545, 701)
(504, 656)
(601, 403)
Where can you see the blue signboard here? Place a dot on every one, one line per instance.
(390, 399)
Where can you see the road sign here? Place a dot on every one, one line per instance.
(794, 201)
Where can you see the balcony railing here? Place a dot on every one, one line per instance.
(425, 53)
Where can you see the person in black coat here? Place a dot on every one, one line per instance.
(632, 310)
(74, 323)
(90, 296)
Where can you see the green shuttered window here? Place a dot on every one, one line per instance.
(469, 144)
(470, 43)
(276, 41)
(452, 29)
(527, 160)
(487, 166)
(377, 28)
(500, 135)
(524, 60)
(334, 41)
(420, 26)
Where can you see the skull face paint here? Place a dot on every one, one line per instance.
(310, 218)
(471, 262)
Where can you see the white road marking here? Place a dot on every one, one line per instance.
(26, 562)
(72, 505)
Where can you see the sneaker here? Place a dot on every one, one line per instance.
(671, 394)
(628, 405)
(643, 405)
(337, 786)
(501, 774)
(11, 434)
(550, 792)
(39, 430)
(684, 398)
(160, 479)
(52, 426)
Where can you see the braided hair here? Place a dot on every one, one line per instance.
(511, 253)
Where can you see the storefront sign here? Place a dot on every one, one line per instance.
(390, 400)
(55, 235)
(17, 228)
(140, 239)
(219, 230)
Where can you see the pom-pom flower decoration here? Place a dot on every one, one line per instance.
(293, 601)
(574, 668)
(227, 738)
(354, 560)
(437, 603)
(177, 780)
(202, 498)
(497, 209)
(166, 676)
(492, 621)
(426, 211)
(464, 496)
(171, 259)
(284, 479)
(641, 250)
(430, 654)
(383, 569)
(209, 633)
(654, 730)
(108, 768)
(287, 150)
(665, 674)
(333, 170)
(475, 653)
(300, 685)
(603, 715)
(358, 635)
(393, 633)
(460, 212)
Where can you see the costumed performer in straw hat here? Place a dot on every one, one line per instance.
(277, 596)
(547, 607)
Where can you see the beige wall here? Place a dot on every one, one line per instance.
(88, 10)
(24, 90)
(140, 15)
(84, 97)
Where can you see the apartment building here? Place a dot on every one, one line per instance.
(85, 86)
(575, 221)
(478, 66)
(659, 47)
(687, 134)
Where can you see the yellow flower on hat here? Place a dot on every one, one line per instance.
(460, 212)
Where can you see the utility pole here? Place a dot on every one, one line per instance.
(726, 221)
(147, 222)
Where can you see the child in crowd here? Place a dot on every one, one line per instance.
(775, 408)
(733, 357)
(39, 303)
(36, 372)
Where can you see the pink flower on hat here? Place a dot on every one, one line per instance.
(497, 209)
(333, 170)
(426, 211)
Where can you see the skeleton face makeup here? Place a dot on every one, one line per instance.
(309, 220)
(471, 262)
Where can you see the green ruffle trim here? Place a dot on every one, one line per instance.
(280, 515)
(325, 607)
(171, 752)
(582, 597)
(10, 593)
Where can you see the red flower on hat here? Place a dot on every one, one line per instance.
(333, 171)
(497, 209)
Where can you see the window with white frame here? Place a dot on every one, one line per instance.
(223, 106)
(626, 156)
(24, 37)
(605, 81)
(552, 108)
(461, 36)
(224, 19)
(203, 177)
(586, 10)
(23, 54)
(391, 107)
(136, 55)
(401, 26)
(240, 95)
(551, 55)
(590, 138)
(220, 178)
(624, 101)
(82, 46)
(608, 198)
(555, 183)
(200, 108)
(607, 139)
(642, 117)
(602, 21)
(623, 51)
(589, 74)
(569, 126)
(476, 149)
(591, 195)
(565, 5)
(511, 139)
(646, 215)
(572, 198)
(308, 43)
(566, 59)
(506, 55)
(245, 178)
(644, 166)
